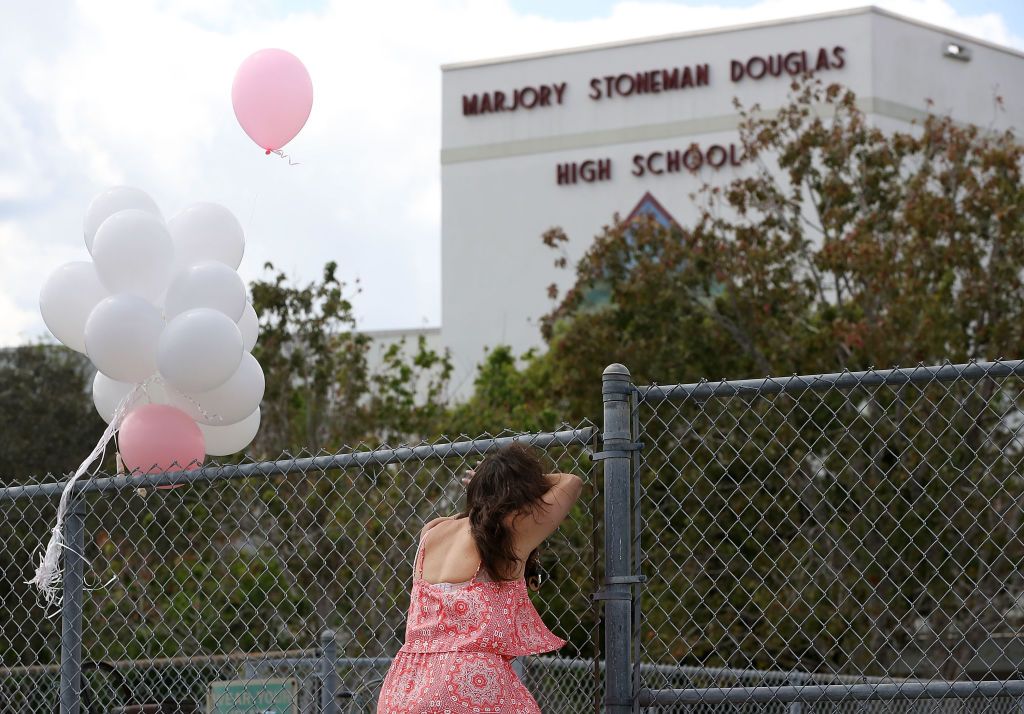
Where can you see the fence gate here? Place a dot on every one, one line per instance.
(842, 542)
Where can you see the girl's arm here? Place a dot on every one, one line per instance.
(532, 528)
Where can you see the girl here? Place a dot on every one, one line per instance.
(469, 611)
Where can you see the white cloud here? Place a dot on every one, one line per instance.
(105, 91)
(24, 265)
(14, 322)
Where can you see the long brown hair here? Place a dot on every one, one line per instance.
(509, 481)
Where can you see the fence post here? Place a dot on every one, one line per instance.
(328, 672)
(617, 442)
(71, 608)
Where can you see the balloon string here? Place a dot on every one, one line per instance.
(285, 156)
(47, 577)
(207, 415)
(48, 574)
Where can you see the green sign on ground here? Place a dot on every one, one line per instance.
(253, 696)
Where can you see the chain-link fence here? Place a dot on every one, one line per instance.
(844, 542)
(279, 586)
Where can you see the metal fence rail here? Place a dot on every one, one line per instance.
(176, 581)
(860, 527)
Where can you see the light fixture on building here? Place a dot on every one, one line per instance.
(957, 51)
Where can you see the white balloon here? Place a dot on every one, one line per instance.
(207, 231)
(107, 395)
(110, 202)
(67, 298)
(250, 327)
(121, 337)
(229, 403)
(209, 284)
(133, 254)
(227, 440)
(199, 350)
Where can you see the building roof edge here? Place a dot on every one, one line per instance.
(865, 9)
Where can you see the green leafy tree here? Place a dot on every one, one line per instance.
(47, 426)
(509, 393)
(408, 396)
(322, 392)
(47, 417)
(840, 246)
(792, 525)
(314, 362)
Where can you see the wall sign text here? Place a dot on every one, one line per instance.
(655, 81)
(649, 82)
(653, 163)
(543, 95)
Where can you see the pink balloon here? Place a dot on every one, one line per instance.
(272, 95)
(156, 438)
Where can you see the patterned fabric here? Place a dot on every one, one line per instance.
(460, 640)
(453, 683)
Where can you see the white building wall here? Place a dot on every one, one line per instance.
(909, 68)
(499, 188)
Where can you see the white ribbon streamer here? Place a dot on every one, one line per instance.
(49, 577)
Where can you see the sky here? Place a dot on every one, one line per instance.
(137, 92)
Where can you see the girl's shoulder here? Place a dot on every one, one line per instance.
(437, 522)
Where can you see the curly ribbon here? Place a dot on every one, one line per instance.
(283, 156)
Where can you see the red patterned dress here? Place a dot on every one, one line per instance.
(460, 640)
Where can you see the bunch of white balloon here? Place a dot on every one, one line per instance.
(162, 313)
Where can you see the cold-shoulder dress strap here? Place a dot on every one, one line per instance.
(418, 562)
(418, 566)
(478, 566)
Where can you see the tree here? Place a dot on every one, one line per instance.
(408, 396)
(314, 361)
(321, 390)
(507, 396)
(47, 417)
(47, 426)
(842, 246)
(839, 246)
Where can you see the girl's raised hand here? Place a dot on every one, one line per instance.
(470, 473)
